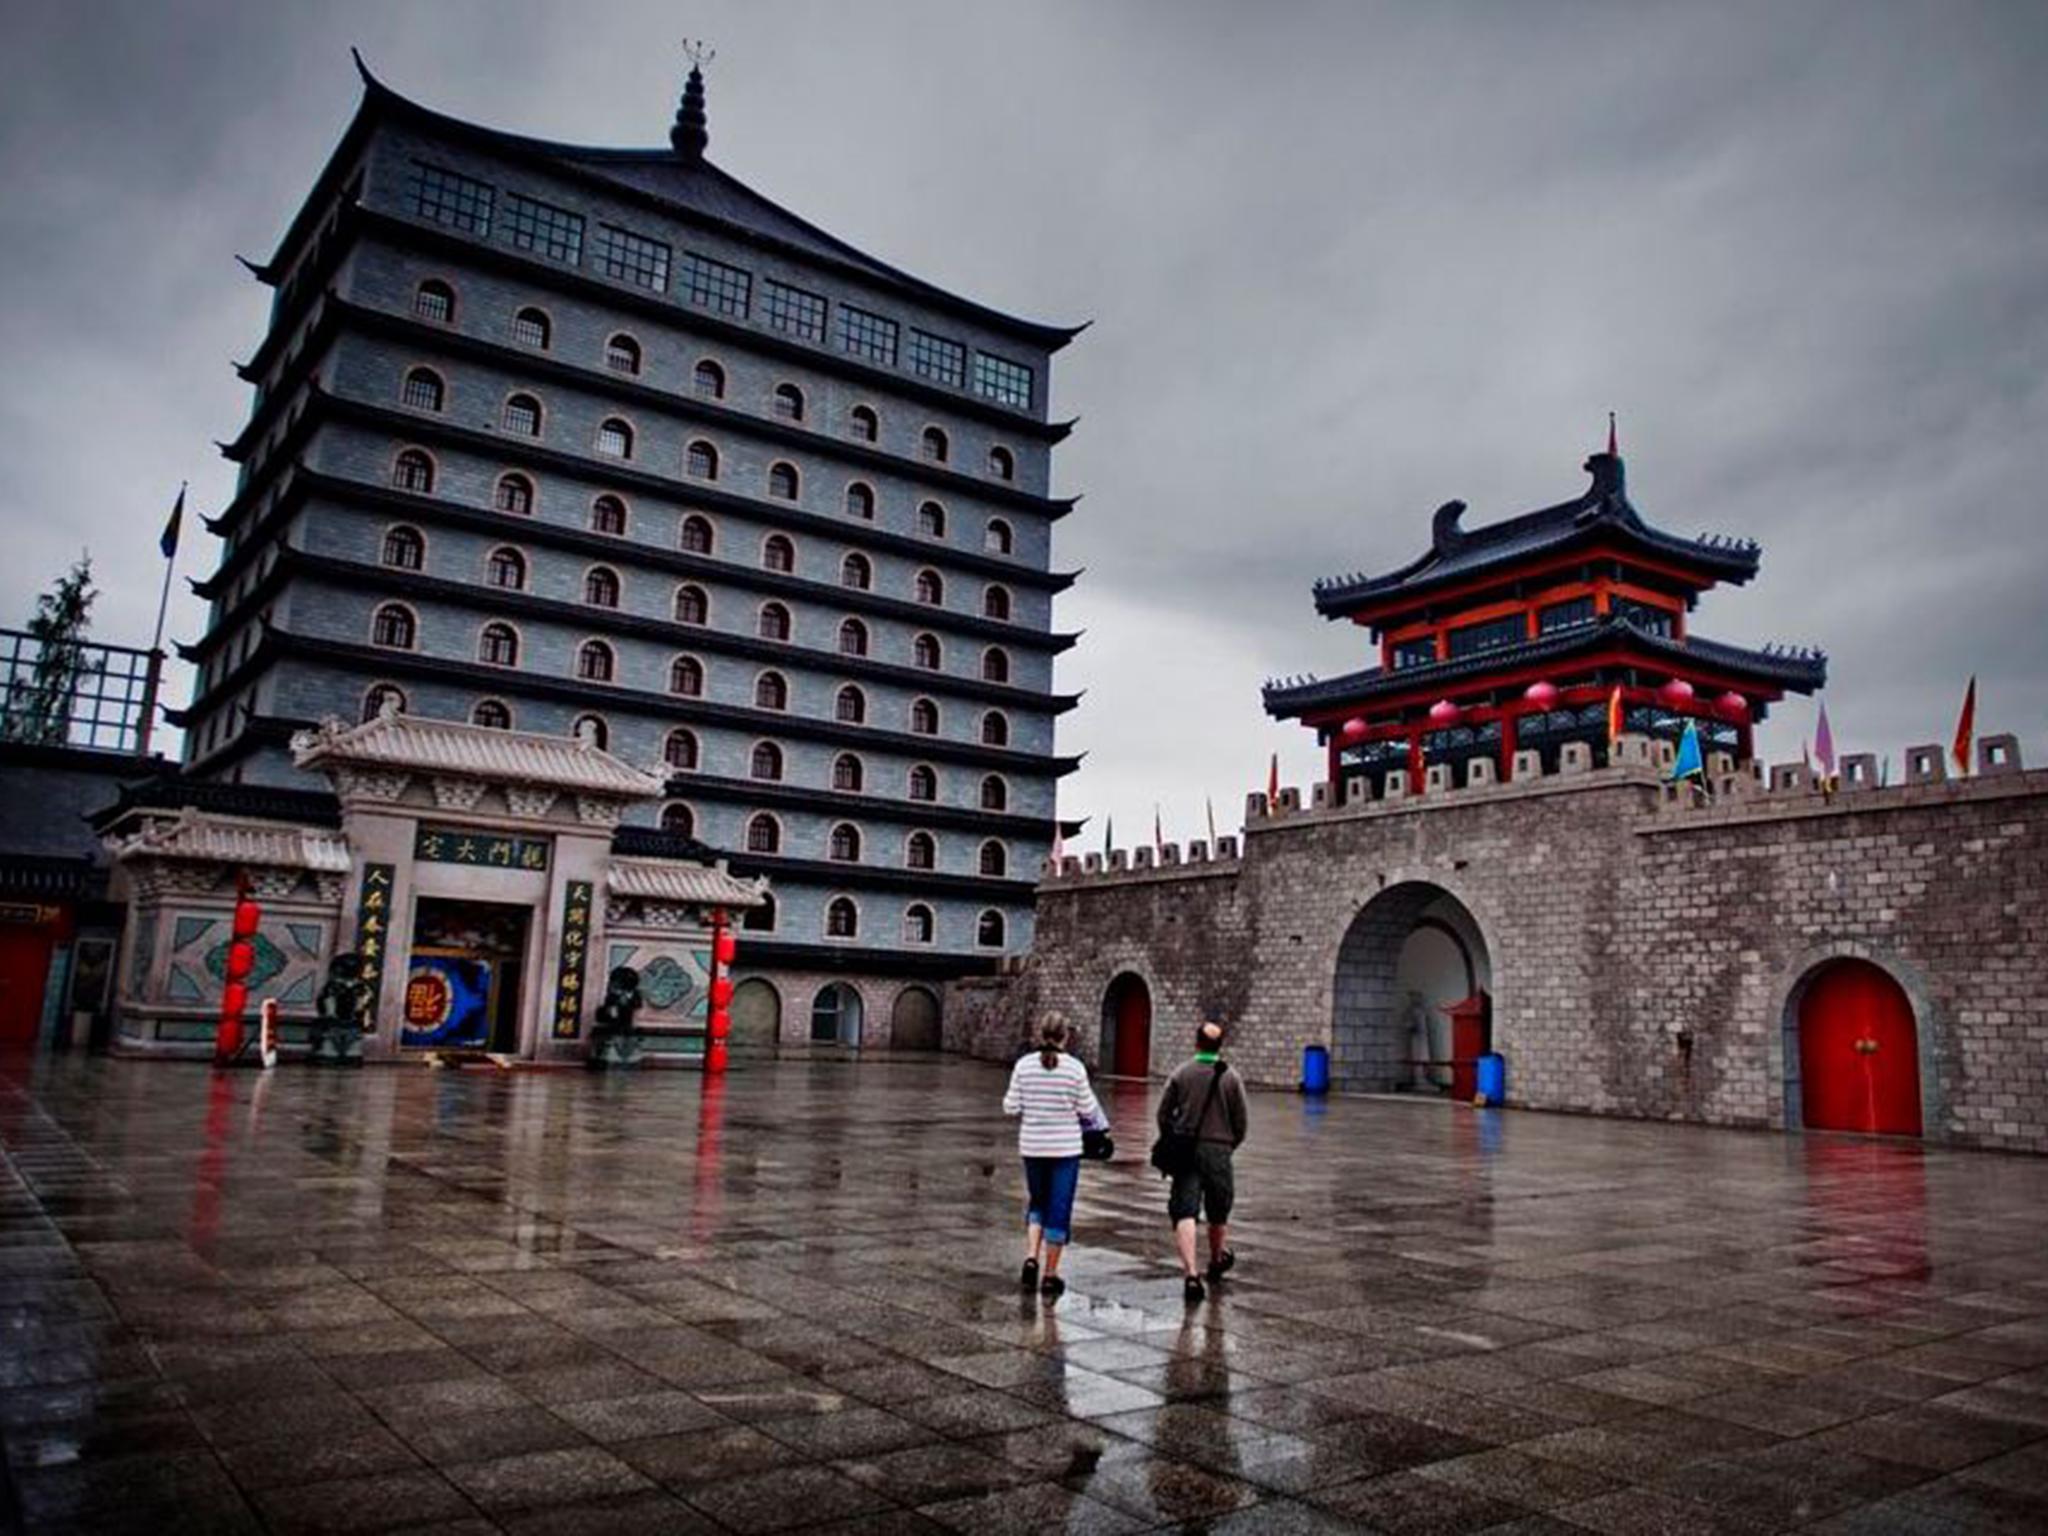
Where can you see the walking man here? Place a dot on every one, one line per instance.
(1204, 1104)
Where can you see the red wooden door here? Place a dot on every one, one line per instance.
(1859, 1056)
(1133, 1029)
(24, 972)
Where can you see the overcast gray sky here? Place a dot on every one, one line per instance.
(1345, 262)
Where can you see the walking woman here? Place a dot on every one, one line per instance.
(1049, 1089)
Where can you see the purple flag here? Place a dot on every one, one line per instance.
(1824, 743)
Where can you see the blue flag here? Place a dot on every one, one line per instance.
(169, 542)
(1690, 764)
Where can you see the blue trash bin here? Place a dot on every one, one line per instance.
(1492, 1079)
(1315, 1069)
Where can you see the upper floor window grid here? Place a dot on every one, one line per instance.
(615, 439)
(514, 493)
(632, 258)
(530, 328)
(708, 379)
(778, 553)
(434, 300)
(1000, 380)
(864, 424)
(722, 289)
(423, 390)
(532, 225)
(934, 357)
(789, 402)
(856, 571)
(506, 568)
(862, 334)
(447, 197)
(1002, 464)
(622, 354)
(697, 535)
(792, 310)
(404, 549)
(412, 470)
(702, 461)
(933, 447)
(522, 416)
(608, 515)
(997, 538)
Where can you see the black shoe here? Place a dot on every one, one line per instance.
(1052, 1287)
(1029, 1278)
(1191, 1291)
(1222, 1264)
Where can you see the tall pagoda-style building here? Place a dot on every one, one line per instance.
(1514, 637)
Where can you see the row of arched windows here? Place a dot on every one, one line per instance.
(842, 913)
(434, 300)
(844, 842)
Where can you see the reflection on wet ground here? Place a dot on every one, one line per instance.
(548, 1303)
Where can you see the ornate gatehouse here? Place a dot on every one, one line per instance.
(484, 877)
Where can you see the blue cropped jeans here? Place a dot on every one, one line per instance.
(1051, 1182)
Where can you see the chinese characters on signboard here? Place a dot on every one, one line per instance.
(575, 959)
(373, 931)
(484, 850)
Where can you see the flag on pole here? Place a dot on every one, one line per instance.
(1613, 451)
(1158, 838)
(1690, 763)
(1824, 743)
(1273, 786)
(1614, 717)
(1108, 822)
(1059, 841)
(169, 542)
(1966, 728)
(1209, 804)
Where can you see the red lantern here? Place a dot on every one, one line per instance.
(247, 916)
(1542, 695)
(721, 992)
(726, 946)
(1677, 693)
(234, 1002)
(1735, 704)
(1444, 712)
(714, 1056)
(721, 1023)
(241, 959)
(1353, 731)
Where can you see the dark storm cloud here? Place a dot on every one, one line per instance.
(1345, 262)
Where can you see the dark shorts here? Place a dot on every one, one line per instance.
(1206, 1189)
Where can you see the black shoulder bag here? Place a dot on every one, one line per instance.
(1173, 1152)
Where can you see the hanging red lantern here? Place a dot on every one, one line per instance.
(1353, 731)
(725, 946)
(1444, 712)
(714, 1056)
(1735, 704)
(721, 1023)
(241, 960)
(234, 1002)
(1676, 693)
(721, 992)
(1542, 695)
(247, 916)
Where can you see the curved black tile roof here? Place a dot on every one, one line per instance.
(1603, 513)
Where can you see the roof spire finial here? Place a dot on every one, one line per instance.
(691, 132)
(1613, 450)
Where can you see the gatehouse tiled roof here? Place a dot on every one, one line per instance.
(197, 836)
(424, 745)
(700, 885)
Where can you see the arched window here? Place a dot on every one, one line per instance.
(920, 851)
(380, 695)
(930, 590)
(853, 638)
(933, 445)
(709, 380)
(778, 553)
(760, 919)
(434, 300)
(595, 662)
(847, 776)
(771, 691)
(782, 481)
(492, 715)
(924, 717)
(931, 519)
(622, 354)
(789, 402)
(530, 328)
(860, 501)
(764, 834)
(608, 515)
(601, 587)
(995, 665)
(692, 606)
(842, 919)
(498, 646)
(679, 819)
(513, 494)
(696, 535)
(995, 794)
(412, 470)
(864, 424)
(506, 567)
(844, 845)
(924, 652)
(995, 729)
(856, 571)
(995, 603)
(998, 539)
(615, 439)
(686, 677)
(995, 859)
(766, 762)
(405, 549)
(924, 782)
(988, 930)
(702, 461)
(679, 749)
(522, 416)
(850, 706)
(774, 622)
(394, 626)
(917, 923)
(1001, 464)
(424, 390)
(591, 728)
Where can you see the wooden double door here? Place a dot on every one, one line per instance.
(1859, 1052)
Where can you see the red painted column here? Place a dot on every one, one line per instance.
(1508, 717)
(1415, 774)
(719, 1022)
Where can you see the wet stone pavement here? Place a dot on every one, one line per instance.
(539, 1302)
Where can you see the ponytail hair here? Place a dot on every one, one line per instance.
(1052, 1039)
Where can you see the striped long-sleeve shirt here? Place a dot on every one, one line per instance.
(1052, 1101)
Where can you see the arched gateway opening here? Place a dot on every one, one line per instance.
(1410, 957)
(1858, 1051)
(914, 1021)
(1127, 1027)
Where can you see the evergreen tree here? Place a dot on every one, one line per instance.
(45, 678)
